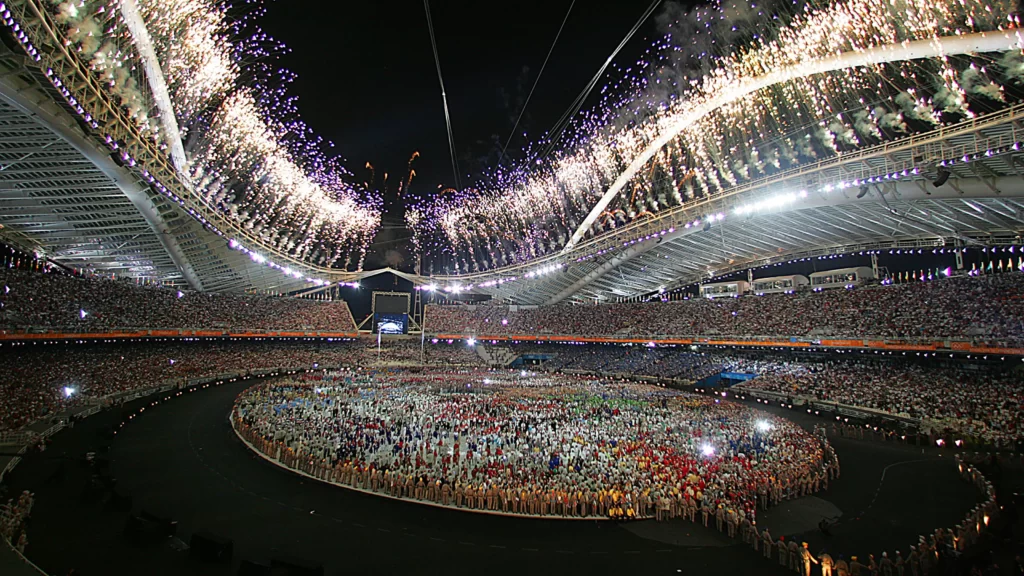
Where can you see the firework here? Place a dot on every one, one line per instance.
(729, 95)
(226, 120)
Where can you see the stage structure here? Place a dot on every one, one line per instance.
(390, 313)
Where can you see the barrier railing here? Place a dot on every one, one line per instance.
(836, 407)
(955, 345)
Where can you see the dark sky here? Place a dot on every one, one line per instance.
(367, 81)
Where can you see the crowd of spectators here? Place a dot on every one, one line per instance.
(41, 380)
(32, 300)
(659, 362)
(981, 405)
(988, 307)
(536, 444)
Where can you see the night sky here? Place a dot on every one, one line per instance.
(367, 81)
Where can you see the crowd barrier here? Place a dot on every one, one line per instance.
(794, 342)
(834, 407)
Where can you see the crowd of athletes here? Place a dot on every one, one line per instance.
(55, 301)
(537, 444)
(989, 308)
(547, 445)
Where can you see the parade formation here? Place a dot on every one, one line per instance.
(536, 444)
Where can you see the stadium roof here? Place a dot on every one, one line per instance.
(795, 214)
(67, 190)
(62, 194)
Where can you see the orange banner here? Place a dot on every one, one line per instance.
(962, 347)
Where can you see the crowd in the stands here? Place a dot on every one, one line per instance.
(44, 379)
(537, 444)
(675, 363)
(37, 300)
(987, 307)
(983, 405)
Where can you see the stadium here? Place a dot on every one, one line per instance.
(751, 303)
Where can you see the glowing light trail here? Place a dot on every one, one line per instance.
(999, 41)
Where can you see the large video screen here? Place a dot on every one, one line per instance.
(391, 304)
(391, 323)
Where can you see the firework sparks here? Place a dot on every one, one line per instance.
(796, 82)
(245, 152)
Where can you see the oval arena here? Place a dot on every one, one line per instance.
(538, 445)
(659, 287)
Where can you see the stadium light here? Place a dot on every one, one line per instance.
(471, 341)
(430, 287)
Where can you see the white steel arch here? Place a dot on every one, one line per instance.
(969, 43)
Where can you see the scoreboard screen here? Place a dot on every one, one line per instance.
(391, 323)
(390, 303)
(391, 312)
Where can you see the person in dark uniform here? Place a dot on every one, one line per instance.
(885, 565)
(856, 568)
(914, 559)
